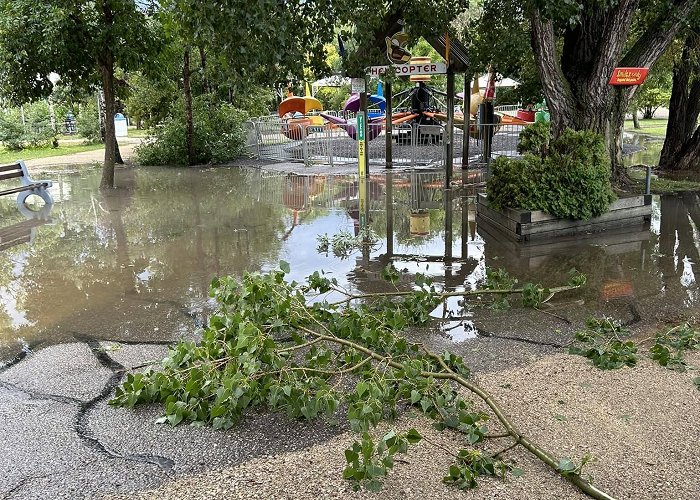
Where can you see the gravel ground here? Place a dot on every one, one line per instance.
(640, 425)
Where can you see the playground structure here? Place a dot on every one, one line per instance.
(295, 111)
(425, 127)
(418, 132)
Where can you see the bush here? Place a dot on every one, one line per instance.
(572, 181)
(11, 130)
(88, 122)
(35, 132)
(219, 136)
(535, 139)
(39, 132)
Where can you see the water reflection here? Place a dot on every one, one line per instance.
(135, 263)
(650, 152)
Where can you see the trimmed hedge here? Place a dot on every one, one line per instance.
(569, 179)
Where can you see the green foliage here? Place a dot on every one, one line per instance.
(343, 244)
(150, 99)
(333, 98)
(267, 346)
(71, 39)
(535, 138)
(669, 347)
(499, 279)
(470, 464)
(35, 132)
(368, 461)
(568, 467)
(11, 130)
(602, 341)
(571, 181)
(39, 132)
(88, 122)
(219, 136)
(532, 294)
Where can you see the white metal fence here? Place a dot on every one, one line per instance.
(271, 138)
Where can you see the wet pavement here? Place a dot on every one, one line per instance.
(104, 281)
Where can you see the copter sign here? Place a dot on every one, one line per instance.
(432, 68)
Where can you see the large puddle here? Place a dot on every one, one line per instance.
(135, 264)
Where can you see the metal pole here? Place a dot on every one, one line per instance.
(449, 151)
(364, 181)
(389, 131)
(363, 110)
(448, 218)
(648, 181)
(465, 218)
(467, 117)
(389, 214)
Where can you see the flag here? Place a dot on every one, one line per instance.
(341, 47)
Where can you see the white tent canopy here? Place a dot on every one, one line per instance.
(500, 81)
(331, 81)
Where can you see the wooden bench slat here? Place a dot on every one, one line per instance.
(19, 189)
(7, 244)
(18, 170)
(11, 175)
(15, 166)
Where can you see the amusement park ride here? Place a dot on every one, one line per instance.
(421, 104)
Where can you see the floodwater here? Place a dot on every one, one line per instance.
(135, 264)
(650, 152)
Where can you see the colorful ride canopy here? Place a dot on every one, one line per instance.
(296, 104)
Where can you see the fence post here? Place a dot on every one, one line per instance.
(304, 145)
(328, 133)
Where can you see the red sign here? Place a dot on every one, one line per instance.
(628, 76)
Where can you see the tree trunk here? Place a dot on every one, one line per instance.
(684, 107)
(688, 156)
(188, 107)
(575, 83)
(635, 119)
(576, 86)
(117, 154)
(107, 74)
(106, 65)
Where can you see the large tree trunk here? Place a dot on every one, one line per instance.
(106, 65)
(117, 154)
(684, 108)
(107, 73)
(188, 107)
(688, 156)
(576, 83)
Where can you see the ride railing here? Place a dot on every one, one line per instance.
(508, 109)
(412, 144)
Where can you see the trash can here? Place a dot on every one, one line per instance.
(120, 125)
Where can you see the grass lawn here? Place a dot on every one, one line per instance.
(31, 154)
(655, 127)
(134, 132)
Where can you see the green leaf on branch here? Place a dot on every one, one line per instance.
(602, 341)
(273, 344)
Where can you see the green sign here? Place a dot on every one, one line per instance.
(361, 126)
